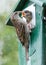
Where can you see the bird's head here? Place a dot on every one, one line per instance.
(28, 15)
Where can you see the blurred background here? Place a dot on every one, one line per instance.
(8, 37)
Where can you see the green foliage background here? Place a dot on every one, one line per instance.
(8, 37)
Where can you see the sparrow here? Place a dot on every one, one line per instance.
(21, 21)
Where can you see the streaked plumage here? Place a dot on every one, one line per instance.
(21, 27)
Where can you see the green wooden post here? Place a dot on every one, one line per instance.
(44, 33)
(38, 38)
(22, 57)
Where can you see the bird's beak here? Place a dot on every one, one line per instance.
(23, 14)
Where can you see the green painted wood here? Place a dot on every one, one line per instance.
(37, 38)
(39, 35)
(22, 57)
(44, 33)
(37, 2)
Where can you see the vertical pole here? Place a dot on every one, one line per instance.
(22, 57)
